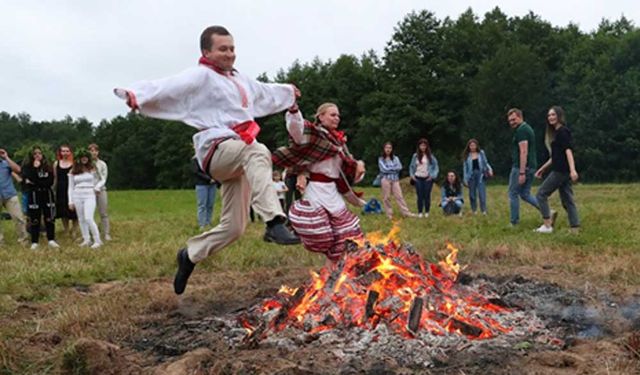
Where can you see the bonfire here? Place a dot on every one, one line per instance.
(380, 282)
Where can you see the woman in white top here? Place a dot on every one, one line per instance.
(82, 197)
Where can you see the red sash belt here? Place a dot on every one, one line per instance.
(341, 184)
(248, 131)
(319, 177)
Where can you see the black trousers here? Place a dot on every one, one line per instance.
(290, 182)
(41, 206)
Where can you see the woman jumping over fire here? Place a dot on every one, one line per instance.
(319, 152)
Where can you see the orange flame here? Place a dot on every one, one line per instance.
(383, 282)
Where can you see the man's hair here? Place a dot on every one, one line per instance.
(205, 38)
(517, 111)
(93, 145)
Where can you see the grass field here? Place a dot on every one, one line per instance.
(38, 289)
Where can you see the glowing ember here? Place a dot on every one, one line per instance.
(381, 282)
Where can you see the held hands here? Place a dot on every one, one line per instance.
(522, 179)
(72, 206)
(296, 91)
(301, 183)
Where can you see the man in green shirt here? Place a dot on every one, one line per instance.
(524, 164)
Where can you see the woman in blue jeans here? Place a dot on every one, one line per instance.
(423, 170)
(476, 169)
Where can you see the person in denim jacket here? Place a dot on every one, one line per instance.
(390, 167)
(451, 200)
(476, 169)
(423, 170)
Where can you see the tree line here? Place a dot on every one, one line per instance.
(444, 79)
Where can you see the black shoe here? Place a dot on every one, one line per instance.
(185, 267)
(281, 235)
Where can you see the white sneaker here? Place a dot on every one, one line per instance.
(544, 229)
(53, 244)
(84, 244)
(426, 215)
(107, 237)
(34, 246)
(96, 245)
(420, 215)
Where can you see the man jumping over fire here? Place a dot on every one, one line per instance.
(222, 104)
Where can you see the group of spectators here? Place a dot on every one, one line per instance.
(476, 169)
(69, 189)
(424, 170)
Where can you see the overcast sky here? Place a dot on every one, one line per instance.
(62, 58)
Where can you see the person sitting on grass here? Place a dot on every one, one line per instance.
(452, 195)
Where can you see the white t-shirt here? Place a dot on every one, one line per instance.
(280, 187)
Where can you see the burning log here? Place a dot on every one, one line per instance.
(415, 314)
(465, 328)
(372, 298)
(369, 278)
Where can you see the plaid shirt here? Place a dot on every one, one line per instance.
(319, 144)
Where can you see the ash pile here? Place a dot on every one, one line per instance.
(385, 302)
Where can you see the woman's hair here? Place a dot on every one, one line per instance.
(78, 167)
(550, 131)
(44, 163)
(322, 109)
(383, 154)
(59, 153)
(419, 152)
(456, 182)
(466, 151)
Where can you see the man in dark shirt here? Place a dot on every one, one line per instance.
(524, 164)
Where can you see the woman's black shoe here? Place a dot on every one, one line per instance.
(281, 235)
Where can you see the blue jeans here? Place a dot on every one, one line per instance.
(25, 202)
(452, 207)
(477, 189)
(522, 191)
(423, 191)
(206, 197)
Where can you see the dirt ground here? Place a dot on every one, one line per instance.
(141, 327)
